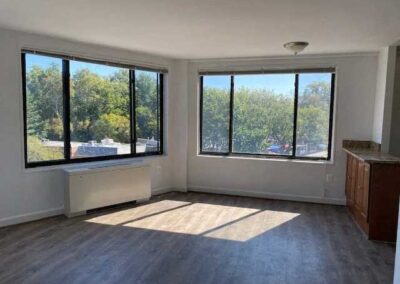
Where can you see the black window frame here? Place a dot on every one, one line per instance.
(292, 156)
(66, 109)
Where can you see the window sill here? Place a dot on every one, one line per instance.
(271, 159)
(96, 164)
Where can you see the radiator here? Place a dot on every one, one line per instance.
(90, 188)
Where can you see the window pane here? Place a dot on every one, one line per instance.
(100, 115)
(263, 114)
(215, 124)
(44, 108)
(313, 115)
(148, 129)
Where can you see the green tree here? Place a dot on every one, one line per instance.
(147, 101)
(215, 119)
(38, 152)
(262, 118)
(112, 126)
(313, 116)
(44, 98)
(35, 124)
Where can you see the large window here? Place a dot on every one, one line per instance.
(80, 110)
(278, 114)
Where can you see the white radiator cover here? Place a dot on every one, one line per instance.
(90, 188)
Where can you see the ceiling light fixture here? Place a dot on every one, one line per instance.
(296, 46)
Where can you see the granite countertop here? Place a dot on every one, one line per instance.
(368, 152)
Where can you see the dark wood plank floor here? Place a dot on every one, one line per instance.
(196, 238)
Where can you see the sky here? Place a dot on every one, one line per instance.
(280, 83)
(45, 61)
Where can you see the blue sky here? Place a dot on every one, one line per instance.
(45, 61)
(280, 83)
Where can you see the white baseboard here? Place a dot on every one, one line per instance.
(162, 190)
(13, 220)
(268, 195)
(157, 191)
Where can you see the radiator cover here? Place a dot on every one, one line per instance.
(90, 188)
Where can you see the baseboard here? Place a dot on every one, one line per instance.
(269, 195)
(162, 190)
(157, 191)
(13, 220)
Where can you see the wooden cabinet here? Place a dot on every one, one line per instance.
(372, 192)
(365, 190)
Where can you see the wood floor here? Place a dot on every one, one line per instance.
(196, 238)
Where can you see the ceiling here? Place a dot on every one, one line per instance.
(194, 29)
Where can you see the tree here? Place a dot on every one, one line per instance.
(147, 101)
(263, 118)
(35, 124)
(44, 97)
(215, 119)
(313, 116)
(100, 106)
(38, 152)
(112, 126)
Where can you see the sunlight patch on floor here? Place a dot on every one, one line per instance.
(252, 226)
(194, 219)
(201, 219)
(143, 211)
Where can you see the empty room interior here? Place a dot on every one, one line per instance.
(214, 141)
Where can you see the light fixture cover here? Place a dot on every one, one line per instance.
(296, 46)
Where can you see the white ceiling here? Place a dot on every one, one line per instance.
(212, 28)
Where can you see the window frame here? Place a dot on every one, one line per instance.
(66, 110)
(292, 156)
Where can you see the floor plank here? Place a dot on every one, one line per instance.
(196, 238)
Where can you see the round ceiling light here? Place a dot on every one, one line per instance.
(296, 46)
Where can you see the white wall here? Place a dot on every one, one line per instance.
(354, 99)
(28, 194)
(384, 96)
(179, 122)
(394, 144)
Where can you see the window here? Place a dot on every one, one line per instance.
(44, 109)
(147, 112)
(78, 110)
(215, 126)
(99, 110)
(313, 117)
(263, 114)
(285, 114)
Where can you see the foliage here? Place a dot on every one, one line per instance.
(99, 107)
(313, 116)
(38, 152)
(114, 126)
(45, 102)
(262, 118)
(147, 101)
(215, 119)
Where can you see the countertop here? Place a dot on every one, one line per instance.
(369, 155)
